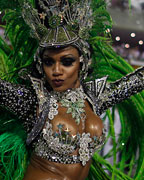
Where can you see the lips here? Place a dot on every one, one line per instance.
(57, 82)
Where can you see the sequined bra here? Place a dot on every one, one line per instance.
(57, 146)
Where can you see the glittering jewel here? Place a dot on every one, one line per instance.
(54, 21)
(84, 148)
(53, 108)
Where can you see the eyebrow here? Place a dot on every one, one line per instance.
(68, 55)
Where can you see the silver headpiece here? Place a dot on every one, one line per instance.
(58, 23)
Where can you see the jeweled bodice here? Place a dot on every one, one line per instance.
(60, 145)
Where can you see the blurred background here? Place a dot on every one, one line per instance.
(128, 29)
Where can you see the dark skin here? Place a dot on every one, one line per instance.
(64, 64)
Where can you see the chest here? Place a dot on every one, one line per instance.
(90, 123)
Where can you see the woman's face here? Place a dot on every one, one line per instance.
(61, 67)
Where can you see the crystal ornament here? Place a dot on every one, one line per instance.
(84, 148)
(53, 108)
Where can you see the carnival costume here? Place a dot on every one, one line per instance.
(32, 27)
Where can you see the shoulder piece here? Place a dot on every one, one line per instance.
(40, 92)
(37, 85)
(97, 86)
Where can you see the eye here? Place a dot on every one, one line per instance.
(67, 61)
(48, 61)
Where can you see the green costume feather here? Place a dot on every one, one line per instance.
(14, 156)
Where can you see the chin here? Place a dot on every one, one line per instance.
(65, 86)
(59, 89)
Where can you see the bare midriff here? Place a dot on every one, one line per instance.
(42, 169)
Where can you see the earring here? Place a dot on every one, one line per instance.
(81, 59)
(38, 61)
(83, 63)
(39, 67)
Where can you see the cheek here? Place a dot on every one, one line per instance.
(72, 72)
(47, 71)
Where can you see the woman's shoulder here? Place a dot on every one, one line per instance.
(94, 124)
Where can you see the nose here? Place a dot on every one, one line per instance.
(57, 70)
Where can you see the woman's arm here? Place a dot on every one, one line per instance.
(17, 99)
(120, 90)
(110, 94)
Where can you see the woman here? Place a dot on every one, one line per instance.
(61, 68)
(60, 113)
